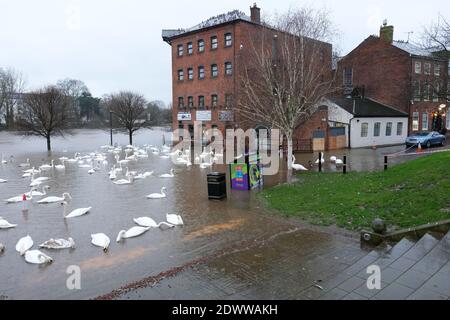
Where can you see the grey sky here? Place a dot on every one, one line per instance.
(116, 44)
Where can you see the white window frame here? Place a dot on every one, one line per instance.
(415, 121)
(377, 129)
(364, 130)
(389, 126)
(418, 67)
(399, 128)
(437, 69)
(425, 121)
(425, 65)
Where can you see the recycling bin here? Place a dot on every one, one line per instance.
(217, 186)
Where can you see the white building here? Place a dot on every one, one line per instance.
(368, 123)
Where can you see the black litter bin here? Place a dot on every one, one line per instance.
(217, 186)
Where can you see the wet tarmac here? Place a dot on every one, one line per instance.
(234, 225)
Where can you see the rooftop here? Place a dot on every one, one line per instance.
(368, 108)
(413, 49)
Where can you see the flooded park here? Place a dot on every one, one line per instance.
(210, 227)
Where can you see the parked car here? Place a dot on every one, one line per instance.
(426, 139)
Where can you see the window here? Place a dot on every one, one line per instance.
(417, 92)
(201, 72)
(399, 128)
(181, 102)
(190, 48)
(214, 100)
(415, 122)
(377, 129)
(180, 75)
(201, 45)
(418, 67)
(389, 129)
(201, 101)
(427, 68)
(214, 70)
(190, 102)
(424, 121)
(228, 40)
(348, 78)
(228, 68)
(436, 91)
(228, 100)
(180, 50)
(364, 130)
(214, 43)
(190, 74)
(437, 70)
(426, 92)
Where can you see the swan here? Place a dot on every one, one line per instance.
(158, 195)
(38, 181)
(131, 233)
(6, 225)
(333, 159)
(61, 166)
(174, 219)
(25, 165)
(3, 181)
(339, 162)
(46, 167)
(323, 160)
(55, 199)
(75, 213)
(150, 223)
(36, 193)
(296, 166)
(58, 244)
(24, 244)
(100, 240)
(168, 175)
(32, 171)
(37, 257)
(3, 160)
(122, 182)
(19, 198)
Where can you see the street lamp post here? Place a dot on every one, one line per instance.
(111, 127)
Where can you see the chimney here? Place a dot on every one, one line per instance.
(255, 14)
(387, 33)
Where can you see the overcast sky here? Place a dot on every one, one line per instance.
(116, 44)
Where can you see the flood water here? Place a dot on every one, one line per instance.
(209, 225)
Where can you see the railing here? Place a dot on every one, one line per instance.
(299, 145)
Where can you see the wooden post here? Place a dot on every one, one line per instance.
(385, 163)
(320, 161)
(344, 167)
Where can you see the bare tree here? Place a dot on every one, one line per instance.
(129, 109)
(437, 38)
(44, 113)
(74, 89)
(290, 72)
(11, 87)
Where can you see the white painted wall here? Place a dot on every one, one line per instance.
(337, 114)
(360, 142)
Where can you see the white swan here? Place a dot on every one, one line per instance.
(18, 199)
(323, 159)
(339, 163)
(4, 224)
(24, 244)
(158, 195)
(46, 167)
(25, 165)
(101, 240)
(75, 213)
(37, 257)
(36, 193)
(3, 160)
(3, 181)
(150, 223)
(174, 219)
(333, 159)
(55, 199)
(122, 182)
(58, 244)
(296, 166)
(61, 166)
(38, 181)
(168, 175)
(131, 233)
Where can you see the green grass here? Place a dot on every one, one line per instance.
(407, 195)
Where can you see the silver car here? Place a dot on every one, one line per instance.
(426, 139)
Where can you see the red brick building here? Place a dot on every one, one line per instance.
(206, 65)
(400, 75)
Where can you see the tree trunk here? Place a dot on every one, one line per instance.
(131, 137)
(290, 152)
(49, 144)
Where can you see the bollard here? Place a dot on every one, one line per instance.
(344, 167)
(320, 161)
(385, 163)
